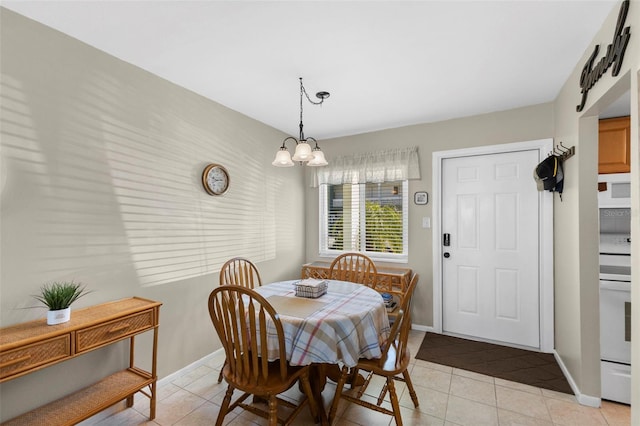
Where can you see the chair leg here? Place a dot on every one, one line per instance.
(273, 410)
(365, 385)
(394, 401)
(222, 368)
(224, 408)
(338, 394)
(412, 392)
(313, 407)
(353, 377)
(383, 392)
(407, 379)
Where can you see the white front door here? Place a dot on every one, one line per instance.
(490, 270)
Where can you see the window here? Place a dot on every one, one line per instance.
(364, 203)
(369, 217)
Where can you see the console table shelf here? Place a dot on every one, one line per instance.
(31, 346)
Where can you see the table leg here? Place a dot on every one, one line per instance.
(318, 380)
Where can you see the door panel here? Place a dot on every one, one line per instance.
(468, 221)
(490, 280)
(506, 221)
(468, 290)
(507, 297)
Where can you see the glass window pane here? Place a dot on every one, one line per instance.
(384, 219)
(367, 217)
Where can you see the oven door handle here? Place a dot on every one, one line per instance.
(615, 285)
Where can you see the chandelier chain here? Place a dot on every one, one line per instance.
(303, 90)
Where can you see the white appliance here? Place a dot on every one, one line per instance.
(615, 304)
(614, 190)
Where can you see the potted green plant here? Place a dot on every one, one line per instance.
(58, 297)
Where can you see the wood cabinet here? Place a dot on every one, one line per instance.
(614, 145)
(389, 280)
(31, 346)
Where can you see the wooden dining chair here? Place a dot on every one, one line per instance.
(241, 317)
(392, 365)
(240, 271)
(354, 267)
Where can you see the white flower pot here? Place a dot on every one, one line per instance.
(58, 317)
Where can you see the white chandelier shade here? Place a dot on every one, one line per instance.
(303, 152)
(283, 158)
(318, 159)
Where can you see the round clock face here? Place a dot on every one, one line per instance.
(215, 179)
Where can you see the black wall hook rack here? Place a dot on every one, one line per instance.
(563, 152)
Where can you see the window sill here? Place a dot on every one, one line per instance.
(375, 257)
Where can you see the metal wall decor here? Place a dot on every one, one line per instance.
(615, 54)
(563, 152)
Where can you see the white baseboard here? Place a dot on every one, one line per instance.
(171, 377)
(590, 401)
(422, 328)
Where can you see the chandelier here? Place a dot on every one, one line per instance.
(303, 152)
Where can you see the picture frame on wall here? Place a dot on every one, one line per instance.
(420, 198)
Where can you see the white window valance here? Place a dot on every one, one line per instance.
(373, 167)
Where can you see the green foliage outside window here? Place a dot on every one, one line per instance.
(383, 229)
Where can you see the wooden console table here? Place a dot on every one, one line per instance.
(31, 346)
(389, 280)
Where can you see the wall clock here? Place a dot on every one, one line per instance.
(215, 179)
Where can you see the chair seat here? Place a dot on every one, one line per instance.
(389, 365)
(273, 384)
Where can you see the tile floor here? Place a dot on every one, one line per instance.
(447, 397)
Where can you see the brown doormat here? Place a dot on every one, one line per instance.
(517, 365)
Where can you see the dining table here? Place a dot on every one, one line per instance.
(345, 324)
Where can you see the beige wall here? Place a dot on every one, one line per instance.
(576, 245)
(89, 143)
(66, 99)
(522, 124)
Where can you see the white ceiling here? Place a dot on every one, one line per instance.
(386, 63)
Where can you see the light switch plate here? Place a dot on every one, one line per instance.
(426, 222)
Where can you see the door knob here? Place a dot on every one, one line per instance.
(446, 254)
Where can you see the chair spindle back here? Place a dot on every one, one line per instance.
(240, 271)
(243, 318)
(354, 267)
